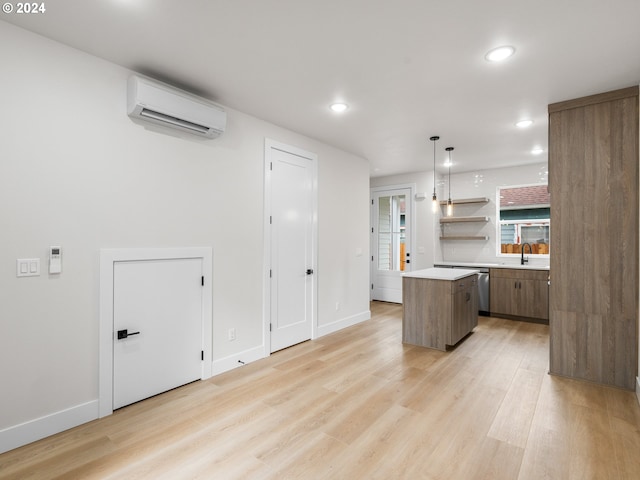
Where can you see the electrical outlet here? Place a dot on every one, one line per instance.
(231, 334)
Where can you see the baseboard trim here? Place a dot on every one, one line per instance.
(343, 323)
(39, 428)
(237, 360)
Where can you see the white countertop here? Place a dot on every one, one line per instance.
(516, 266)
(449, 274)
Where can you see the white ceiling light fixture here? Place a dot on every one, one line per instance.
(499, 54)
(339, 107)
(524, 123)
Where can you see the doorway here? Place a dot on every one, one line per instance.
(290, 245)
(157, 318)
(155, 322)
(391, 235)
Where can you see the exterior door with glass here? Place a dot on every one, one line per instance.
(391, 242)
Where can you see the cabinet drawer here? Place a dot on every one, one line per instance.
(463, 283)
(522, 274)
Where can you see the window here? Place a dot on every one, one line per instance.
(523, 214)
(391, 232)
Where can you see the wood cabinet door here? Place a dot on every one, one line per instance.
(533, 299)
(504, 295)
(459, 323)
(473, 308)
(465, 312)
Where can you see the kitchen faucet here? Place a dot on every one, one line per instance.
(522, 259)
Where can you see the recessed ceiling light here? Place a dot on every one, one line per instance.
(537, 151)
(500, 53)
(524, 123)
(339, 107)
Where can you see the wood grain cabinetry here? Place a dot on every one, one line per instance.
(519, 293)
(593, 180)
(437, 313)
(465, 309)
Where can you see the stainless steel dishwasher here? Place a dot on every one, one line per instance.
(483, 286)
(483, 291)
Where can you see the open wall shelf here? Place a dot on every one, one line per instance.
(463, 219)
(460, 201)
(464, 237)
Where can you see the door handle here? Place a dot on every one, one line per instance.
(124, 334)
(309, 271)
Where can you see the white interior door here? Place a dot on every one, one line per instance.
(391, 242)
(157, 308)
(292, 281)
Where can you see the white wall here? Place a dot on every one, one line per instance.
(483, 183)
(479, 183)
(76, 172)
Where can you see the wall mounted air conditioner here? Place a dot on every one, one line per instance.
(164, 105)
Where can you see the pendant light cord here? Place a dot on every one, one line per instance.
(448, 149)
(449, 175)
(449, 202)
(434, 167)
(434, 139)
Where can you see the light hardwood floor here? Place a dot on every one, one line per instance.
(358, 404)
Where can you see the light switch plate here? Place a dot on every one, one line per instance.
(27, 267)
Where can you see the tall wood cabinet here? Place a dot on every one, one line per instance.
(593, 179)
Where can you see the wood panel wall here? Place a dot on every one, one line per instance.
(593, 180)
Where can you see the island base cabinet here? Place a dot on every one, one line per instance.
(437, 313)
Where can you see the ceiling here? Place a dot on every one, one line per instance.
(408, 69)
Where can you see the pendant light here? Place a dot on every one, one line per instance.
(449, 202)
(434, 198)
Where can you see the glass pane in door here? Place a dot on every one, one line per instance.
(391, 232)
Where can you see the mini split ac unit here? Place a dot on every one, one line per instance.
(164, 105)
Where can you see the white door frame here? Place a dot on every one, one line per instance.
(270, 144)
(108, 257)
(373, 222)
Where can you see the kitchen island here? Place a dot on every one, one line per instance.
(440, 306)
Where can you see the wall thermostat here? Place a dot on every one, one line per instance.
(55, 259)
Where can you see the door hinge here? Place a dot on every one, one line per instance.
(202, 280)
(270, 220)
(371, 229)
(270, 327)
(372, 201)
(372, 258)
(201, 354)
(372, 286)
(270, 165)
(270, 273)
